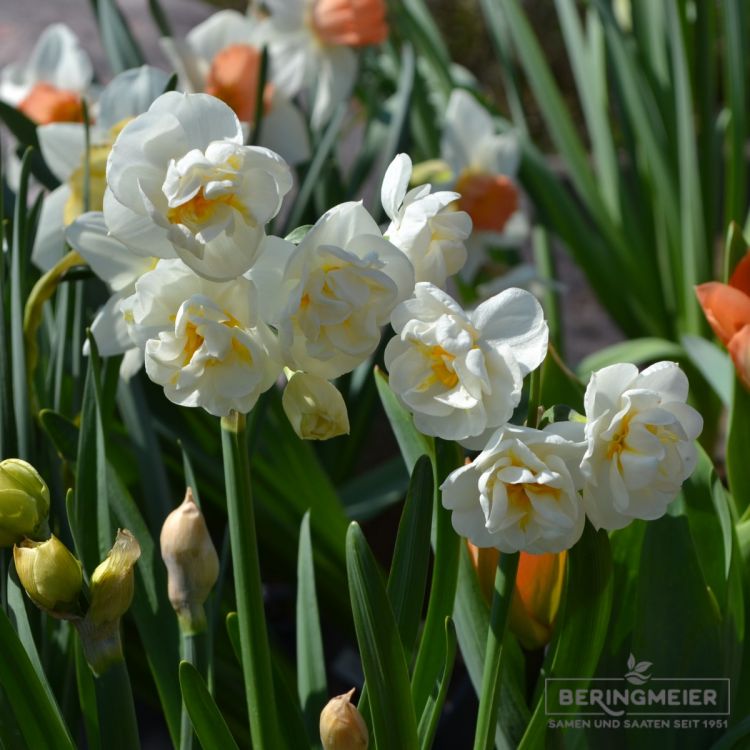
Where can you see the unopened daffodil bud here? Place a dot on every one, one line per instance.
(342, 726)
(192, 563)
(24, 501)
(111, 593)
(314, 407)
(112, 582)
(536, 595)
(51, 576)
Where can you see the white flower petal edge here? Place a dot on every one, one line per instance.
(521, 492)
(462, 373)
(182, 170)
(340, 286)
(641, 448)
(424, 225)
(202, 340)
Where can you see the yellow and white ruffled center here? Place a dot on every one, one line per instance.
(204, 191)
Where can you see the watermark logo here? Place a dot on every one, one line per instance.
(634, 695)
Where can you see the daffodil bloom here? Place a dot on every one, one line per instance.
(484, 166)
(460, 373)
(182, 183)
(330, 296)
(536, 593)
(312, 44)
(640, 435)
(727, 309)
(521, 493)
(48, 87)
(63, 147)
(424, 224)
(202, 340)
(222, 56)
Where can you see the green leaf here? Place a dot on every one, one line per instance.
(122, 50)
(431, 714)
(23, 129)
(311, 668)
(411, 557)
(637, 352)
(38, 719)
(210, 727)
(713, 363)
(387, 678)
(582, 622)
(371, 492)
(411, 442)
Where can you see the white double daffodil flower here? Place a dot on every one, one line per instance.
(641, 448)
(522, 491)
(181, 182)
(424, 225)
(203, 340)
(461, 374)
(330, 296)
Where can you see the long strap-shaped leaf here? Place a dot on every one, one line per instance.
(393, 721)
(38, 719)
(207, 720)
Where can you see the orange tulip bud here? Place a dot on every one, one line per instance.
(46, 103)
(490, 199)
(536, 595)
(350, 23)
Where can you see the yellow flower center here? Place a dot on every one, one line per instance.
(199, 210)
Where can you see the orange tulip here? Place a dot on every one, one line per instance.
(351, 23)
(536, 596)
(46, 103)
(234, 78)
(727, 309)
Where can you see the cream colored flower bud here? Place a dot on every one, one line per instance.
(24, 501)
(192, 563)
(51, 576)
(112, 582)
(314, 407)
(342, 726)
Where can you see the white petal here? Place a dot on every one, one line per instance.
(129, 94)
(109, 329)
(336, 76)
(49, 243)
(395, 182)
(63, 145)
(467, 125)
(219, 31)
(59, 59)
(284, 131)
(109, 258)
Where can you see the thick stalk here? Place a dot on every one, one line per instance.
(256, 655)
(489, 700)
(117, 721)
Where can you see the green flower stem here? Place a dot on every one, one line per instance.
(256, 654)
(193, 650)
(535, 397)
(114, 698)
(489, 700)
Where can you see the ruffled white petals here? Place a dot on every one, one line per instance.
(424, 225)
(195, 190)
(203, 341)
(641, 448)
(520, 493)
(456, 372)
(343, 282)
